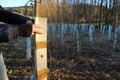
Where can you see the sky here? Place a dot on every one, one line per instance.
(12, 3)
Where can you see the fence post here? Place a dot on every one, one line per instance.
(41, 50)
(40, 46)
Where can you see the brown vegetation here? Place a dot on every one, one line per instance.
(77, 11)
(69, 11)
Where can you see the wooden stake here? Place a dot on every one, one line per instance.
(41, 50)
(41, 46)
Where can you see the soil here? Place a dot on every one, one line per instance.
(95, 61)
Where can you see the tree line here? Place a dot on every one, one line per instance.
(80, 11)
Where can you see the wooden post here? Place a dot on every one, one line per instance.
(41, 47)
(41, 50)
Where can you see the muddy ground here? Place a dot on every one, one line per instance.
(96, 61)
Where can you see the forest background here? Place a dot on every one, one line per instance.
(75, 11)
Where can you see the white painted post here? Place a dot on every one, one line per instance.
(115, 40)
(3, 73)
(75, 30)
(62, 32)
(101, 27)
(28, 55)
(106, 27)
(118, 28)
(90, 32)
(92, 27)
(53, 30)
(103, 30)
(78, 40)
(109, 32)
(83, 27)
(41, 50)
